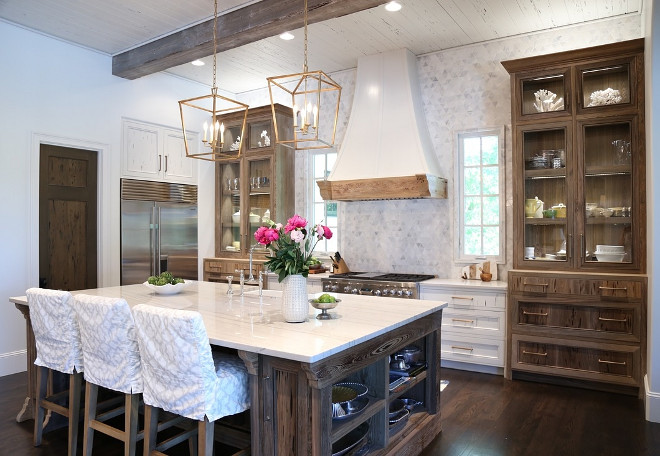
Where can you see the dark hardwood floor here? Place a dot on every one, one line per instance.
(481, 414)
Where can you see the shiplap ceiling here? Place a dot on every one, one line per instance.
(423, 26)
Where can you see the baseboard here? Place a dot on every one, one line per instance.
(652, 403)
(494, 370)
(12, 362)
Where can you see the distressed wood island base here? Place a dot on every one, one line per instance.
(293, 367)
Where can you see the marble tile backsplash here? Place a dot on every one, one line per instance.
(463, 88)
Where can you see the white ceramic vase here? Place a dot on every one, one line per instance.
(295, 306)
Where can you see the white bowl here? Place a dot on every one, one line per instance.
(168, 289)
(611, 257)
(254, 218)
(236, 218)
(603, 248)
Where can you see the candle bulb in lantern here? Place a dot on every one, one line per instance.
(295, 115)
(217, 127)
(315, 114)
(309, 113)
(303, 116)
(206, 128)
(222, 133)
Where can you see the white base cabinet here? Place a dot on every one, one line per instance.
(473, 324)
(154, 152)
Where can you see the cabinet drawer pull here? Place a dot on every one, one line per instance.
(618, 363)
(525, 352)
(462, 320)
(618, 320)
(613, 288)
(462, 297)
(527, 284)
(536, 314)
(458, 347)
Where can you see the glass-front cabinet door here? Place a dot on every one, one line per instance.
(548, 202)
(545, 94)
(229, 202)
(607, 179)
(259, 200)
(606, 85)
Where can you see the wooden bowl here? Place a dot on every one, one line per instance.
(486, 276)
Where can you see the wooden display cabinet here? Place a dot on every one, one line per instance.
(255, 186)
(584, 157)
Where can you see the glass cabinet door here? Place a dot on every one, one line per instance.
(259, 201)
(608, 193)
(605, 85)
(547, 202)
(544, 94)
(230, 206)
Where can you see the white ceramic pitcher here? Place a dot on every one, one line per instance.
(533, 207)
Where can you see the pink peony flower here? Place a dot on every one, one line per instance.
(327, 232)
(265, 235)
(295, 222)
(297, 236)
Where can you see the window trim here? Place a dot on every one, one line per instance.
(459, 257)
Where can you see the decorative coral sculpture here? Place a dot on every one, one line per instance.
(605, 97)
(545, 101)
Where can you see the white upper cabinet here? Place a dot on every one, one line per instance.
(153, 152)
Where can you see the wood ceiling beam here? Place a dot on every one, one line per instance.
(254, 22)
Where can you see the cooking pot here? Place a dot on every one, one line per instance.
(399, 363)
(411, 354)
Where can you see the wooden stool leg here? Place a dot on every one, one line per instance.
(205, 437)
(150, 428)
(75, 391)
(91, 393)
(42, 381)
(132, 403)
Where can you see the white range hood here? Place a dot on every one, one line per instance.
(386, 152)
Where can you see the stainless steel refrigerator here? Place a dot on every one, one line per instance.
(158, 230)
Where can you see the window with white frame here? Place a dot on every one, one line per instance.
(479, 184)
(321, 163)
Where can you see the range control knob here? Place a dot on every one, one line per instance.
(392, 292)
(408, 293)
(385, 291)
(334, 287)
(377, 292)
(354, 291)
(327, 287)
(347, 289)
(399, 293)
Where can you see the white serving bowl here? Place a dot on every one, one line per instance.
(236, 218)
(168, 289)
(611, 257)
(603, 248)
(254, 218)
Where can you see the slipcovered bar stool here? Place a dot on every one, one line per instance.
(183, 376)
(58, 349)
(111, 355)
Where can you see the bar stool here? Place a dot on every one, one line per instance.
(111, 355)
(58, 349)
(182, 376)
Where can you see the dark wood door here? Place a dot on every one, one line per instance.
(67, 218)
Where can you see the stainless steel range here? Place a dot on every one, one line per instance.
(376, 284)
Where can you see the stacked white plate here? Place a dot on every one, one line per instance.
(611, 253)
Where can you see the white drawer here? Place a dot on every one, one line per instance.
(472, 350)
(474, 322)
(469, 299)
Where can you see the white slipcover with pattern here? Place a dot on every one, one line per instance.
(181, 373)
(109, 344)
(55, 330)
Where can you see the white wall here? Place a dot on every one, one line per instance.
(56, 92)
(652, 64)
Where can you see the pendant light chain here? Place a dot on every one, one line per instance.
(215, 44)
(305, 68)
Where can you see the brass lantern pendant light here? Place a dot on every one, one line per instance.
(218, 142)
(314, 101)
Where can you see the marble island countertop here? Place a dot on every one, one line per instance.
(255, 324)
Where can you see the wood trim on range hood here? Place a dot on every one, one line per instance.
(401, 187)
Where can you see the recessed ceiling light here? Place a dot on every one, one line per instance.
(393, 6)
(287, 36)
(197, 62)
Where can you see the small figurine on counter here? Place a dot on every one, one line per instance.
(264, 136)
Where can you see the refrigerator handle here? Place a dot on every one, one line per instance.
(157, 256)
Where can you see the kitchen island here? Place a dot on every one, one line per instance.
(293, 366)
